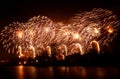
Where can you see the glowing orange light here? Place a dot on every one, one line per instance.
(21, 55)
(76, 36)
(47, 29)
(20, 63)
(33, 49)
(80, 48)
(31, 32)
(48, 48)
(24, 62)
(96, 46)
(19, 34)
(96, 30)
(20, 51)
(36, 61)
(110, 29)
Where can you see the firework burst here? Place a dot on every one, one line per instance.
(41, 34)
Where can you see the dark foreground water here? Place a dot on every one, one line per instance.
(61, 72)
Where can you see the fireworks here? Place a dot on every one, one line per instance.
(96, 46)
(40, 34)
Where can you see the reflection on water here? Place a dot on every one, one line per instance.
(62, 72)
(21, 72)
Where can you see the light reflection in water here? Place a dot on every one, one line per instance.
(100, 72)
(24, 72)
(20, 72)
(60, 72)
(83, 72)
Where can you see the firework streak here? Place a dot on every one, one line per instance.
(84, 31)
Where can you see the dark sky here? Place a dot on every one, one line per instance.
(57, 10)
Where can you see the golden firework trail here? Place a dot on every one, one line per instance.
(40, 33)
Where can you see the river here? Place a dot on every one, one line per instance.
(59, 72)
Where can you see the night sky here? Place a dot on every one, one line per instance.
(57, 10)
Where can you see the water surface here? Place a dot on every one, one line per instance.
(60, 72)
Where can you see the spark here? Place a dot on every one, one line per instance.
(48, 48)
(41, 34)
(80, 49)
(110, 29)
(96, 46)
(19, 34)
(47, 29)
(33, 50)
(76, 35)
(20, 51)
